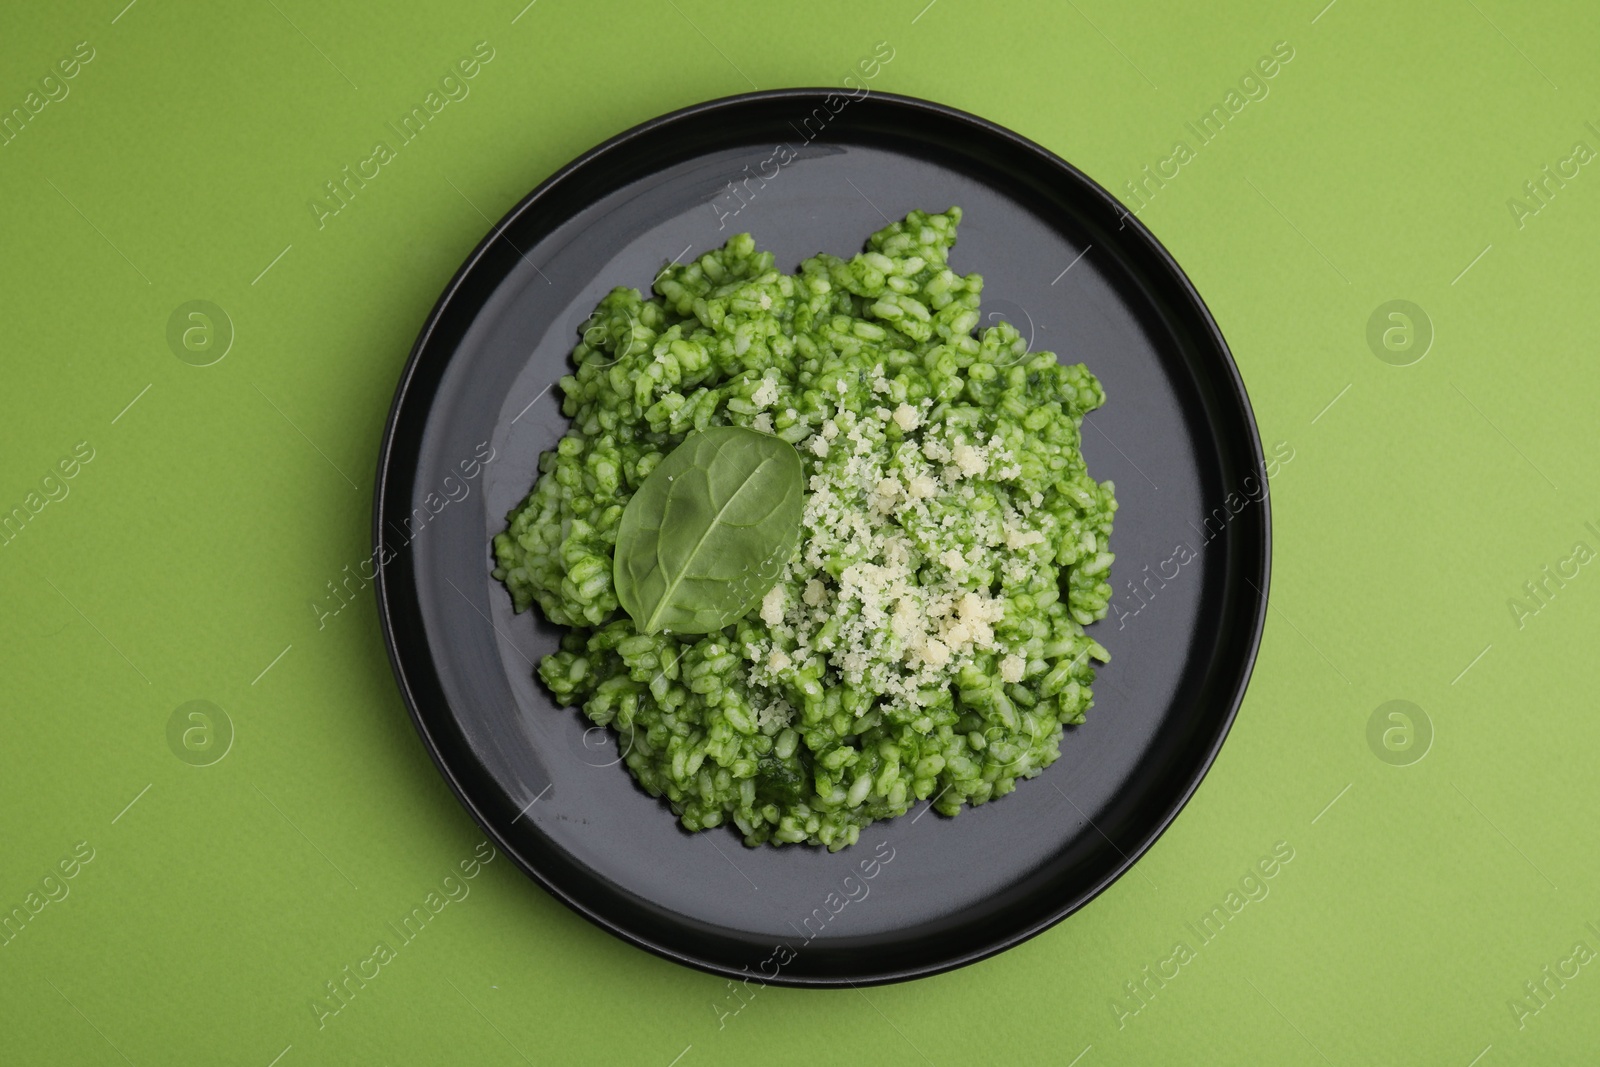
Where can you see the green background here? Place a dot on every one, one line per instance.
(192, 547)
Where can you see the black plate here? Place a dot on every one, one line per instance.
(1177, 436)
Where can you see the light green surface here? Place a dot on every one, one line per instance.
(187, 554)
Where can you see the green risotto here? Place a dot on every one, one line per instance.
(921, 635)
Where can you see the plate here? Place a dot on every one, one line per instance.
(808, 170)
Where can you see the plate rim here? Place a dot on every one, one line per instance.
(1231, 385)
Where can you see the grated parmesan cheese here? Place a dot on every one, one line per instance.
(765, 393)
(774, 717)
(1018, 539)
(934, 653)
(772, 605)
(971, 461)
(880, 571)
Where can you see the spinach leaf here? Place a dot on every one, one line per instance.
(706, 535)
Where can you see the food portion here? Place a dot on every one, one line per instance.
(910, 627)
